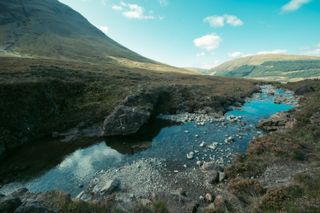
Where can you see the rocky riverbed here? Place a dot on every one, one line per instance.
(183, 161)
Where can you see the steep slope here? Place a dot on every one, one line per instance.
(50, 29)
(271, 67)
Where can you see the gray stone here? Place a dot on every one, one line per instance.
(110, 187)
(222, 176)
(190, 155)
(131, 115)
(125, 121)
(209, 198)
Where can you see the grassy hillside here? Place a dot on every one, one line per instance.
(51, 29)
(272, 67)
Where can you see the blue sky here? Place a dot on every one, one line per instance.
(205, 33)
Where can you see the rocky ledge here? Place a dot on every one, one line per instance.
(278, 122)
(131, 115)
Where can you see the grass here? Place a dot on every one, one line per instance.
(298, 145)
(63, 203)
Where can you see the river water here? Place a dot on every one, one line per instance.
(171, 143)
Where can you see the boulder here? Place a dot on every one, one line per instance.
(130, 116)
(125, 121)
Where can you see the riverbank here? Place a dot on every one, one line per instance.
(184, 188)
(43, 98)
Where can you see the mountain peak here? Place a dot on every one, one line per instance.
(48, 28)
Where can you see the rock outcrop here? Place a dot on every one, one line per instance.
(279, 121)
(131, 115)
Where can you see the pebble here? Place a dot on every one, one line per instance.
(209, 197)
(213, 146)
(190, 155)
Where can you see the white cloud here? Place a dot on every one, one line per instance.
(220, 21)
(233, 20)
(132, 11)
(293, 5)
(208, 42)
(315, 50)
(104, 28)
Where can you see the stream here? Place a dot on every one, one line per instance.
(180, 145)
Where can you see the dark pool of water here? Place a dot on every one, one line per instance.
(171, 143)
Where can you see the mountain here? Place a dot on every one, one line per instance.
(48, 28)
(271, 67)
(52, 30)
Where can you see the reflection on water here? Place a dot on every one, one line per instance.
(160, 140)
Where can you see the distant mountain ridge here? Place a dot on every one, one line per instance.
(48, 28)
(271, 67)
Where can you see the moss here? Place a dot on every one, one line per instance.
(245, 189)
(160, 207)
(280, 199)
